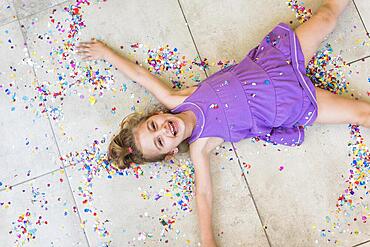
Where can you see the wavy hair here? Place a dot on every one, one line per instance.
(122, 149)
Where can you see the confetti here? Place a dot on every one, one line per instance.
(302, 14)
(92, 100)
(353, 204)
(25, 227)
(327, 71)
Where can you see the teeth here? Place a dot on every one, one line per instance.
(172, 128)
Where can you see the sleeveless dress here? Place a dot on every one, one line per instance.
(267, 95)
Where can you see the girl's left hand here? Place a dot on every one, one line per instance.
(92, 50)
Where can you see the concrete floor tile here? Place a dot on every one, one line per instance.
(357, 76)
(132, 209)
(28, 7)
(229, 29)
(363, 7)
(27, 148)
(296, 189)
(7, 12)
(82, 125)
(40, 213)
(349, 38)
(91, 121)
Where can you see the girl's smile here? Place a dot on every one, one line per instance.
(163, 132)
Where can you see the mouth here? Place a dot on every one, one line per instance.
(173, 127)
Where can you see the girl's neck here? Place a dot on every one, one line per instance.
(190, 120)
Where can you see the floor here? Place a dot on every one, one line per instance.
(58, 114)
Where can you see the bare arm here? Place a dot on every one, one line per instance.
(98, 50)
(203, 195)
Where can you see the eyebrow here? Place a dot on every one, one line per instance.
(155, 144)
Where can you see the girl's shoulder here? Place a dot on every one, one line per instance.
(181, 95)
(187, 91)
(206, 144)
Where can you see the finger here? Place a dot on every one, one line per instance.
(82, 49)
(85, 43)
(87, 58)
(83, 46)
(84, 53)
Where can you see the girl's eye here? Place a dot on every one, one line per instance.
(153, 125)
(160, 142)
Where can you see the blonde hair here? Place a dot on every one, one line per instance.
(122, 149)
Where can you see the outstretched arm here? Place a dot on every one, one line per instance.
(98, 50)
(203, 195)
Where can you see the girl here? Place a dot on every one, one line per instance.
(266, 95)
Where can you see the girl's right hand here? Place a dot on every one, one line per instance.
(92, 50)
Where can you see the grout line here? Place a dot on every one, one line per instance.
(38, 12)
(34, 178)
(30, 179)
(363, 23)
(251, 194)
(357, 60)
(368, 241)
(9, 22)
(69, 182)
(245, 179)
(191, 35)
(55, 140)
(35, 74)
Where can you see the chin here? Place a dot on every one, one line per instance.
(180, 128)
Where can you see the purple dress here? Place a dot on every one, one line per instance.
(266, 95)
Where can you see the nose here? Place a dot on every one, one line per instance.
(166, 129)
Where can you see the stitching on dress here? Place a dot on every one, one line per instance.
(299, 134)
(272, 82)
(296, 60)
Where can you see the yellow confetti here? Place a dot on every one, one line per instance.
(92, 100)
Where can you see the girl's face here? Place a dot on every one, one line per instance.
(160, 134)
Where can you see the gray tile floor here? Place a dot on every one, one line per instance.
(58, 114)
